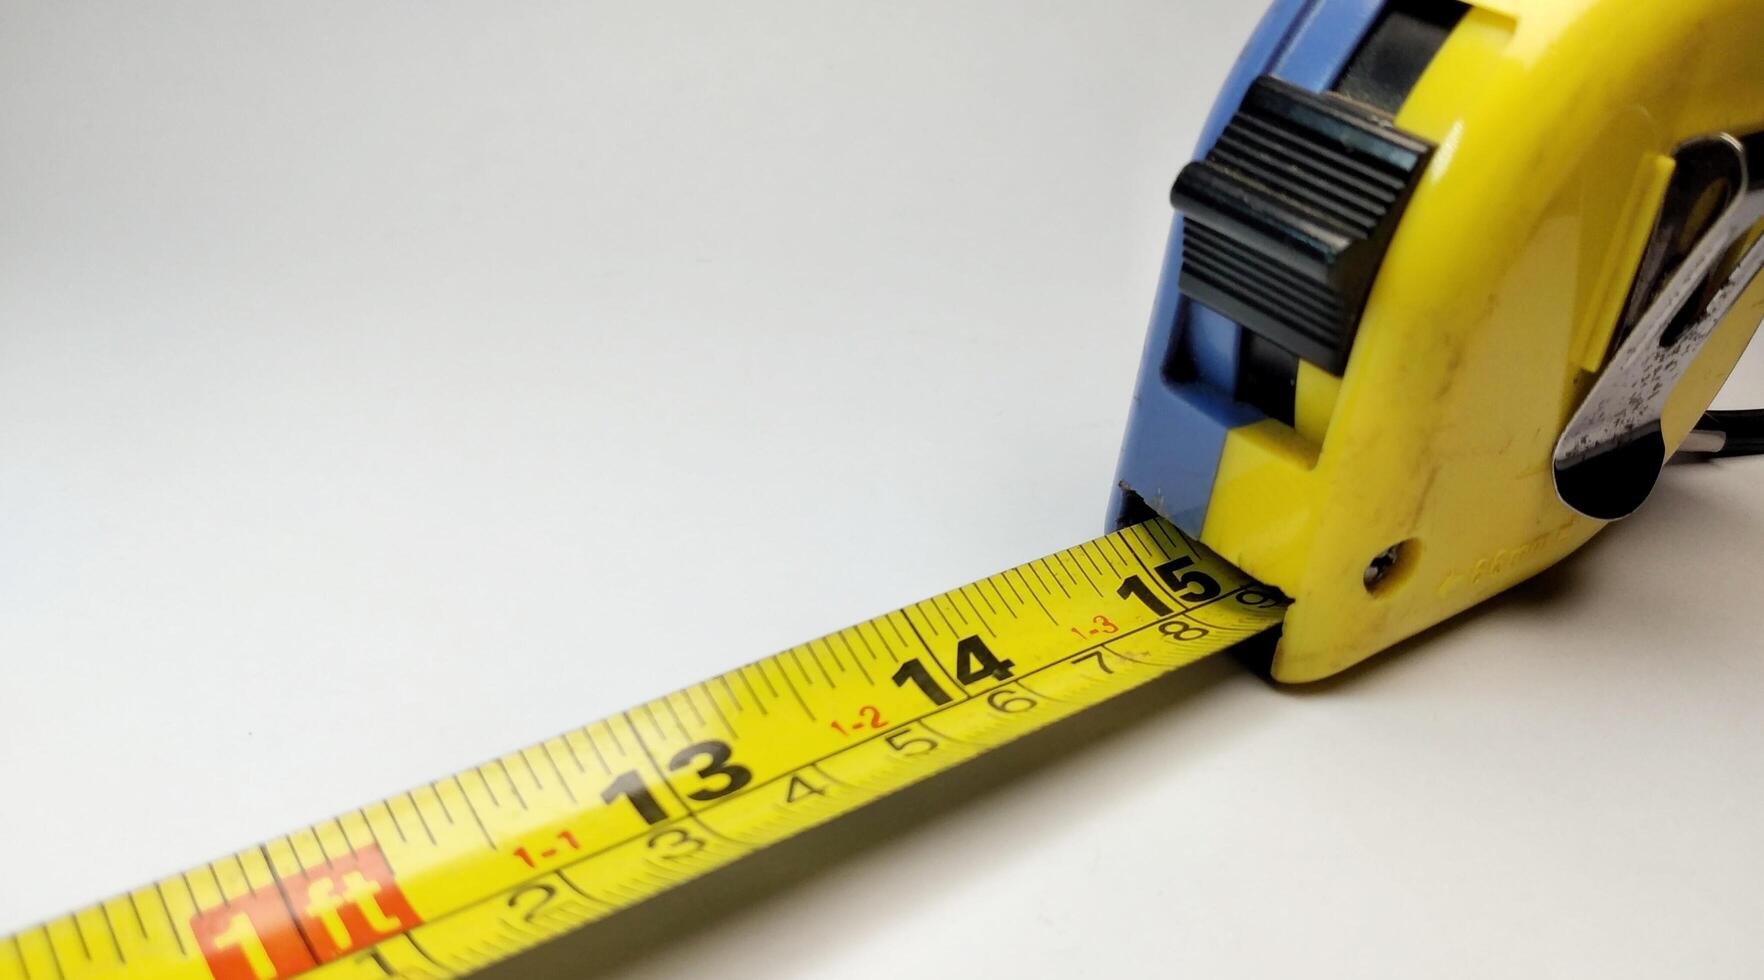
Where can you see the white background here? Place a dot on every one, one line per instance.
(386, 385)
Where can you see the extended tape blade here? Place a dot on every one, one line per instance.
(449, 877)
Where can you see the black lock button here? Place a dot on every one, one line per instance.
(1290, 213)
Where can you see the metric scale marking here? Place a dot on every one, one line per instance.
(470, 869)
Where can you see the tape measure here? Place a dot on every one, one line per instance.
(452, 876)
(1426, 324)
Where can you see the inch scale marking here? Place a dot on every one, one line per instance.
(454, 875)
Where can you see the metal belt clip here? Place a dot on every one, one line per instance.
(1610, 454)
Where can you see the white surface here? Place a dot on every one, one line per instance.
(378, 382)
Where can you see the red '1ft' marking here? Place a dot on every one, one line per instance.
(309, 918)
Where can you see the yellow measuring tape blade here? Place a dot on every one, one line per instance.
(457, 874)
